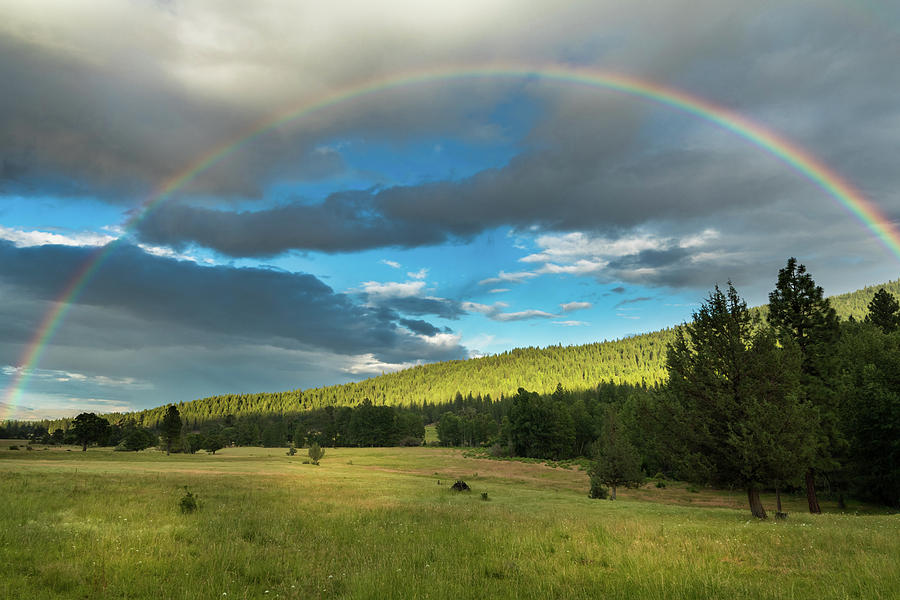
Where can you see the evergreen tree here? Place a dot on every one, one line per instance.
(171, 427)
(884, 311)
(799, 312)
(616, 462)
(734, 401)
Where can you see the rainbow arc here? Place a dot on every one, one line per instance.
(788, 152)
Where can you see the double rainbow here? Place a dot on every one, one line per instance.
(785, 150)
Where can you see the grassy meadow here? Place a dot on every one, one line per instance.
(383, 523)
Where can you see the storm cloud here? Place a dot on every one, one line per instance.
(292, 310)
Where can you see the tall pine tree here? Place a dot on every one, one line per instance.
(800, 313)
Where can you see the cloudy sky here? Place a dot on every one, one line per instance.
(431, 219)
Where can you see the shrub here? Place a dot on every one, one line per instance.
(692, 489)
(460, 486)
(409, 441)
(189, 502)
(484, 496)
(13, 447)
(292, 450)
(498, 451)
(315, 453)
(598, 491)
(660, 483)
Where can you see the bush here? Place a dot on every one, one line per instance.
(460, 486)
(315, 453)
(660, 483)
(409, 441)
(692, 489)
(189, 502)
(598, 491)
(484, 496)
(498, 451)
(292, 450)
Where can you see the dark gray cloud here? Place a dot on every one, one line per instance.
(414, 305)
(291, 310)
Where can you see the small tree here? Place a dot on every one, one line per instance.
(194, 442)
(315, 453)
(884, 311)
(616, 461)
(212, 442)
(88, 428)
(171, 427)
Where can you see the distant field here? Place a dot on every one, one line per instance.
(375, 523)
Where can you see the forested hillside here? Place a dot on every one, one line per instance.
(635, 360)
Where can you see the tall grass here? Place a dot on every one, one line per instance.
(108, 525)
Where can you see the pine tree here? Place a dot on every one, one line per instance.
(734, 401)
(616, 462)
(799, 312)
(884, 311)
(171, 427)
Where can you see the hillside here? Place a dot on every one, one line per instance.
(634, 360)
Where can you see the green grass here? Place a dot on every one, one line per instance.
(375, 523)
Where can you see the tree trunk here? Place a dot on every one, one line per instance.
(756, 507)
(84, 447)
(778, 513)
(612, 495)
(811, 493)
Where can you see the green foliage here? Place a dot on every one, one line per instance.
(734, 399)
(870, 412)
(188, 502)
(213, 442)
(315, 454)
(598, 491)
(171, 428)
(616, 462)
(88, 428)
(884, 311)
(292, 450)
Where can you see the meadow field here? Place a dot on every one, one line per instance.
(383, 523)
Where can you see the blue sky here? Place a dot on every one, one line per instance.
(426, 222)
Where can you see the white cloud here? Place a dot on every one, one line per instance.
(43, 238)
(575, 246)
(572, 323)
(503, 276)
(441, 340)
(391, 263)
(420, 274)
(495, 312)
(393, 289)
(73, 377)
(573, 306)
(498, 290)
(367, 364)
(583, 254)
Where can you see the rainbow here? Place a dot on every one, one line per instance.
(785, 150)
